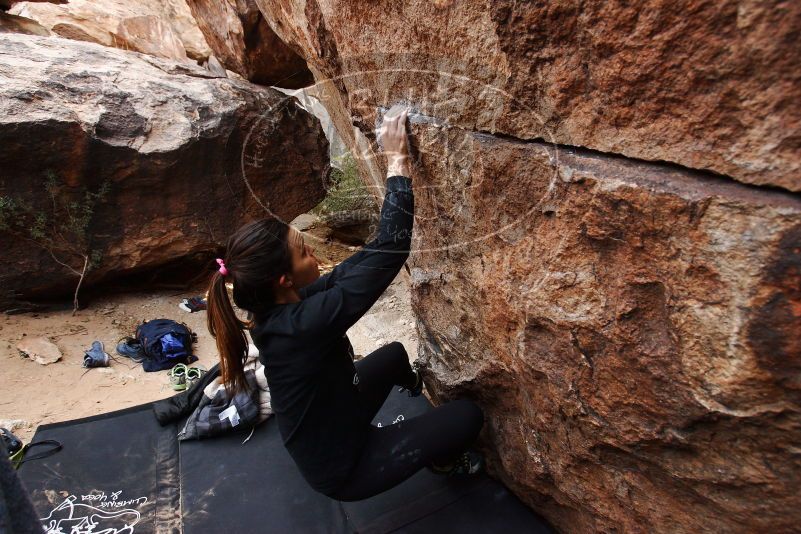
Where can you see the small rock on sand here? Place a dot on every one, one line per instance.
(13, 424)
(39, 349)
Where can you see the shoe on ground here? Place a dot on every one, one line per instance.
(467, 463)
(193, 304)
(131, 348)
(96, 356)
(177, 376)
(194, 374)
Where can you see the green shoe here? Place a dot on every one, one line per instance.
(177, 377)
(193, 374)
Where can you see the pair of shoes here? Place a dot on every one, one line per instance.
(183, 377)
(193, 304)
(467, 463)
(131, 348)
(417, 389)
(96, 356)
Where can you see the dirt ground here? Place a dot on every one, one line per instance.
(32, 394)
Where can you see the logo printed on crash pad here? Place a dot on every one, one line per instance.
(108, 516)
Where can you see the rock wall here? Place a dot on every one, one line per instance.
(16, 24)
(630, 329)
(6, 4)
(162, 28)
(244, 43)
(607, 252)
(188, 157)
(707, 85)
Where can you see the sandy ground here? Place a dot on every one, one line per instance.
(32, 394)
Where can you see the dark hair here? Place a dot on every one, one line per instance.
(255, 257)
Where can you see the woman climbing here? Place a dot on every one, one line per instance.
(324, 403)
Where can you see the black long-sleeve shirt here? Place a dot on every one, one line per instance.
(308, 358)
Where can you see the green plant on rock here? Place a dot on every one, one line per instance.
(62, 227)
(348, 192)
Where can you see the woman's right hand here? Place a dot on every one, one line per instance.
(394, 139)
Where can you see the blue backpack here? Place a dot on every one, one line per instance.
(165, 343)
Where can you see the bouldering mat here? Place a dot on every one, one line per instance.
(117, 473)
(123, 473)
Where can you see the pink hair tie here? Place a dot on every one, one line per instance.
(223, 269)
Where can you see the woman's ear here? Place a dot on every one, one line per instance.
(284, 281)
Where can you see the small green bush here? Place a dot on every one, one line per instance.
(62, 228)
(347, 193)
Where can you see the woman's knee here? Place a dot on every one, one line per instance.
(398, 349)
(397, 353)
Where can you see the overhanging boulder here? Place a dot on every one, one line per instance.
(706, 85)
(244, 43)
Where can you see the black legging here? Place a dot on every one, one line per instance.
(394, 453)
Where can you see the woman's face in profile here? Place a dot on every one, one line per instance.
(305, 267)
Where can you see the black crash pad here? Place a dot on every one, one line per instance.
(123, 473)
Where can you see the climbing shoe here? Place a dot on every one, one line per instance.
(131, 348)
(96, 356)
(417, 389)
(193, 374)
(193, 304)
(467, 463)
(177, 376)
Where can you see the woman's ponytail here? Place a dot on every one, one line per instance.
(256, 256)
(228, 330)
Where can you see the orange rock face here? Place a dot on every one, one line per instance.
(245, 43)
(162, 28)
(188, 157)
(593, 262)
(630, 329)
(706, 85)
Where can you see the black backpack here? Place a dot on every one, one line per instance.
(165, 343)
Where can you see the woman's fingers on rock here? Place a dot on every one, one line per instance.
(395, 117)
(403, 115)
(400, 121)
(394, 111)
(393, 132)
